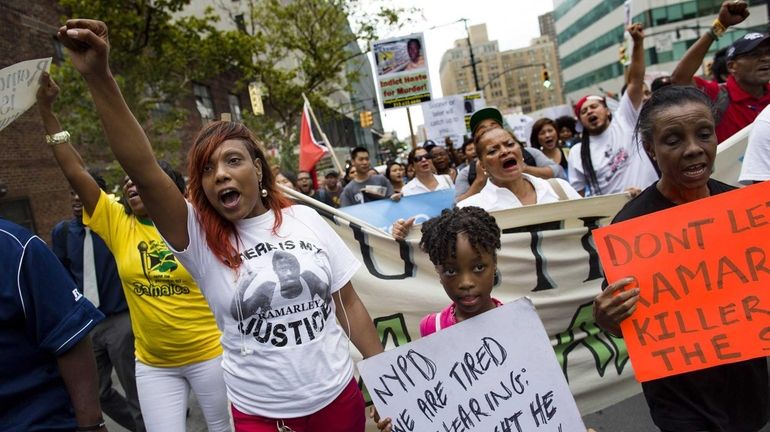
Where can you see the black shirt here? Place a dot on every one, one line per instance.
(731, 397)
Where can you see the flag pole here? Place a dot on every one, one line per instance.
(336, 161)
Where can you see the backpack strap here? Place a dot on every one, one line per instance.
(556, 186)
(722, 102)
(471, 171)
(438, 321)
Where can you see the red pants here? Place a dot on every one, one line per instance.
(344, 414)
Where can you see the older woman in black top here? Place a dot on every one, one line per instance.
(676, 127)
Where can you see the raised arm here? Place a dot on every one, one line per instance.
(89, 49)
(636, 69)
(67, 157)
(730, 14)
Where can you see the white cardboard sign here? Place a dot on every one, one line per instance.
(18, 87)
(444, 117)
(494, 372)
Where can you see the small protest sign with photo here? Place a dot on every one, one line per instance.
(18, 87)
(496, 371)
(702, 269)
(402, 71)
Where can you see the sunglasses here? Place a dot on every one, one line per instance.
(421, 158)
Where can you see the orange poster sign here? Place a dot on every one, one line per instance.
(703, 270)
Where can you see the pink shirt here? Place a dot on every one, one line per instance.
(446, 318)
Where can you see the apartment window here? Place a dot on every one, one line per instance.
(240, 23)
(235, 107)
(19, 211)
(203, 101)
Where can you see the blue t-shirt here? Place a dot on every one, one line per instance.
(42, 316)
(68, 247)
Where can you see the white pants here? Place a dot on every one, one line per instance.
(163, 395)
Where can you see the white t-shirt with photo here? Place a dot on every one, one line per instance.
(415, 186)
(619, 160)
(756, 160)
(284, 353)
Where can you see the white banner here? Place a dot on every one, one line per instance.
(18, 86)
(557, 268)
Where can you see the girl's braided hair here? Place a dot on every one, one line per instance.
(439, 235)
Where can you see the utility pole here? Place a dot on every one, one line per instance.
(470, 51)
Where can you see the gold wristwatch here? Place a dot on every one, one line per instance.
(58, 138)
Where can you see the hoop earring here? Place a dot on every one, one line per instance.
(263, 191)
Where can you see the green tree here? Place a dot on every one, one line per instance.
(306, 46)
(154, 57)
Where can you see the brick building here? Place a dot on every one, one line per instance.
(37, 193)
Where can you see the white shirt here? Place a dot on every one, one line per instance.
(618, 158)
(756, 160)
(415, 186)
(493, 198)
(284, 353)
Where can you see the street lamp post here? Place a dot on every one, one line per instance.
(473, 62)
(470, 52)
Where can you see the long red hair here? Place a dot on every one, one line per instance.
(219, 230)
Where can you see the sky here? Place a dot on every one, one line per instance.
(513, 23)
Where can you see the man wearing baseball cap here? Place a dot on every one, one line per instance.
(608, 159)
(746, 92)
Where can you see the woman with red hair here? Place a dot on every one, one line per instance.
(265, 267)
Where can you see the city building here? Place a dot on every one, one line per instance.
(590, 33)
(547, 25)
(36, 195)
(512, 80)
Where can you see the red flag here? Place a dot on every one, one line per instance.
(310, 150)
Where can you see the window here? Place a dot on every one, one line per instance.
(203, 102)
(659, 16)
(18, 211)
(235, 107)
(240, 23)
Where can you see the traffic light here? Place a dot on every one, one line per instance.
(622, 56)
(365, 117)
(546, 79)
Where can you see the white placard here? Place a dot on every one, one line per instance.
(18, 86)
(520, 125)
(496, 371)
(402, 71)
(444, 117)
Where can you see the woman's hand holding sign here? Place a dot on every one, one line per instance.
(615, 304)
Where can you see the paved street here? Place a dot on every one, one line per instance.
(630, 415)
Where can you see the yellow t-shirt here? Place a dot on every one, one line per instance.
(172, 323)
